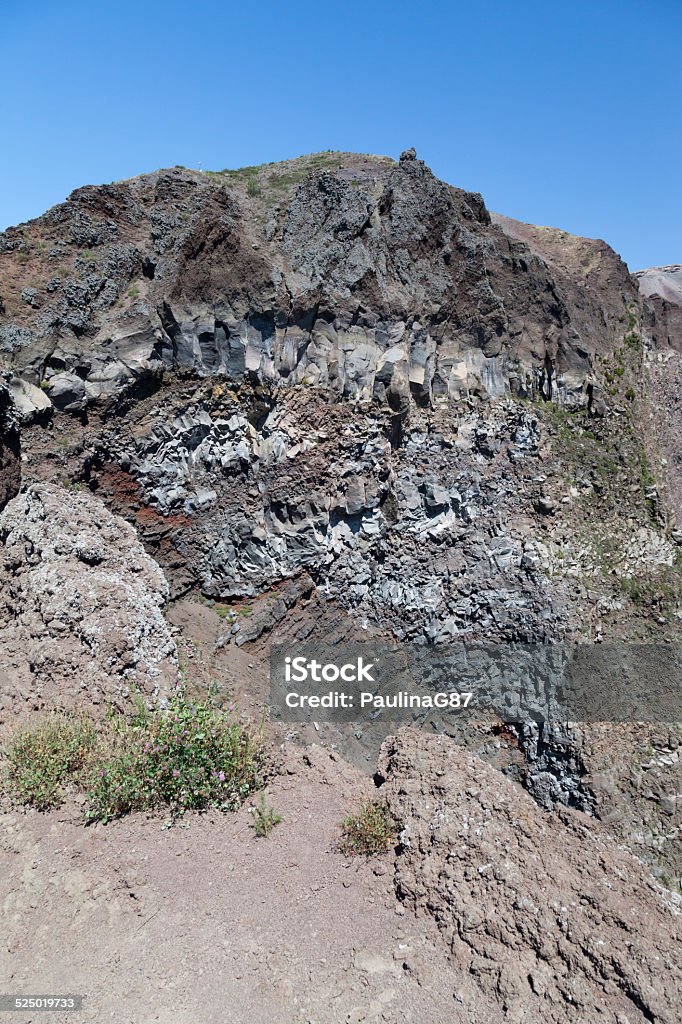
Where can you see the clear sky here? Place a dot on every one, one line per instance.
(562, 112)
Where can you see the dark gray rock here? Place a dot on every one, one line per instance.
(67, 392)
(10, 450)
(378, 282)
(13, 338)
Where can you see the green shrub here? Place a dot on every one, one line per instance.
(43, 758)
(264, 818)
(188, 757)
(371, 831)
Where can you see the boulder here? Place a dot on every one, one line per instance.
(543, 909)
(81, 606)
(32, 403)
(67, 392)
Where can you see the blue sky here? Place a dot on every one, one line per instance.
(562, 113)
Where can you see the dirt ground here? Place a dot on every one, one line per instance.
(204, 923)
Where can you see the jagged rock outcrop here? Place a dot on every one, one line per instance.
(81, 604)
(368, 277)
(428, 533)
(600, 294)
(629, 777)
(545, 911)
(10, 449)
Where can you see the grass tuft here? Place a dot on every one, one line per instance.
(43, 759)
(369, 832)
(264, 818)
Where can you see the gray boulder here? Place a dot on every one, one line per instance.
(67, 392)
(31, 402)
(81, 606)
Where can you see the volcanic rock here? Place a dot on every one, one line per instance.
(81, 620)
(548, 914)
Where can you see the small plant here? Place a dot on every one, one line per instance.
(188, 757)
(369, 832)
(43, 758)
(661, 591)
(264, 818)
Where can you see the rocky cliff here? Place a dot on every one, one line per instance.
(339, 390)
(359, 274)
(343, 365)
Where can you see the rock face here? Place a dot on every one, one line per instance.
(545, 912)
(368, 277)
(10, 452)
(80, 606)
(340, 390)
(595, 284)
(598, 290)
(662, 286)
(429, 536)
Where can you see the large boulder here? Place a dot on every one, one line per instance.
(81, 606)
(67, 391)
(542, 909)
(32, 403)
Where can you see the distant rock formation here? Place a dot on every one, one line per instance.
(662, 286)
